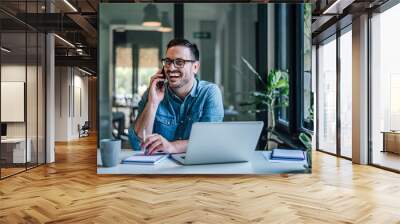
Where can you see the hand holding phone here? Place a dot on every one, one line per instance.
(160, 84)
(157, 88)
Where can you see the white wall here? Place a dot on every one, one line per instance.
(61, 103)
(16, 73)
(79, 117)
(71, 87)
(33, 126)
(12, 73)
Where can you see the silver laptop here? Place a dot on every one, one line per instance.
(221, 142)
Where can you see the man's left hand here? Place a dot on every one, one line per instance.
(156, 142)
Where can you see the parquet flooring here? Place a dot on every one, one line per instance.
(70, 191)
(10, 171)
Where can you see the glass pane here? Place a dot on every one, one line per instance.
(123, 71)
(346, 94)
(282, 48)
(308, 101)
(31, 98)
(223, 37)
(327, 97)
(148, 65)
(41, 98)
(13, 86)
(385, 84)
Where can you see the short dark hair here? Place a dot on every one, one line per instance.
(183, 42)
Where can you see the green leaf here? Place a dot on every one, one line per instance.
(247, 103)
(306, 140)
(282, 84)
(285, 91)
(249, 66)
(253, 70)
(256, 93)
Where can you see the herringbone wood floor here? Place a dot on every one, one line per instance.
(70, 191)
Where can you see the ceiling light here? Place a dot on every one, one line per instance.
(165, 24)
(70, 5)
(64, 40)
(150, 17)
(84, 71)
(5, 50)
(337, 7)
(79, 51)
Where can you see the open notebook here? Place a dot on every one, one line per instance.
(287, 154)
(140, 158)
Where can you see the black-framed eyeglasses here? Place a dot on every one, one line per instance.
(179, 62)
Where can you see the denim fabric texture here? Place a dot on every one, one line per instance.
(175, 117)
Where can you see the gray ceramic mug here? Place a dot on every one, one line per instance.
(110, 150)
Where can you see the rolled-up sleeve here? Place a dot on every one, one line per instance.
(213, 107)
(133, 138)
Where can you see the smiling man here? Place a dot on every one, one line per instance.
(167, 112)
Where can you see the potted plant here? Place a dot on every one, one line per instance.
(274, 95)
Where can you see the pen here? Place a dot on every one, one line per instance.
(144, 140)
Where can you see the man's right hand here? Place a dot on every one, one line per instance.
(156, 94)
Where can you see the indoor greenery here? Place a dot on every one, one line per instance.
(273, 95)
(307, 142)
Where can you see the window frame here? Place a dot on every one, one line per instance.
(333, 37)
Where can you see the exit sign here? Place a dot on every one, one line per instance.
(201, 35)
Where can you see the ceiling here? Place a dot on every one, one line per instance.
(332, 15)
(76, 22)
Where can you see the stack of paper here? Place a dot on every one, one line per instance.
(143, 159)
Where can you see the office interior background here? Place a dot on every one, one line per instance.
(343, 71)
(49, 85)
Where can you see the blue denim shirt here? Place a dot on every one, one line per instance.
(174, 117)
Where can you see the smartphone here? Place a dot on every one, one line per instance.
(160, 84)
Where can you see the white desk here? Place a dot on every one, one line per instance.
(18, 149)
(257, 165)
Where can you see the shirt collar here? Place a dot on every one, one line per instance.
(193, 92)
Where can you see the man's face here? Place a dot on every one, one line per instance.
(179, 77)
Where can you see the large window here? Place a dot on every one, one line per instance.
(327, 96)
(385, 89)
(282, 52)
(149, 61)
(335, 94)
(123, 71)
(308, 93)
(293, 54)
(346, 93)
